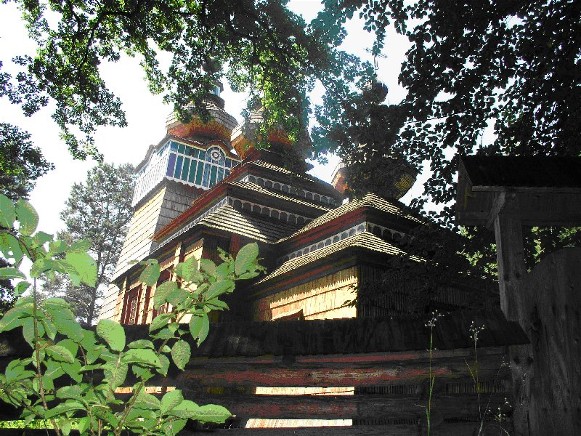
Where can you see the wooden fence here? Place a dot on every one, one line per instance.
(360, 376)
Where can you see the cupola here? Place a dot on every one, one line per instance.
(279, 149)
(219, 126)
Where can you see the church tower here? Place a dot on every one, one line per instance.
(189, 160)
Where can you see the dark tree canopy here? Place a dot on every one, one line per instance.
(21, 163)
(511, 64)
(259, 44)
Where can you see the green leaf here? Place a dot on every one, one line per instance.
(112, 333)
(49, 328)
(163, 334)
(53, 369)
(177, 296)
(208, 267)
(147, 401)
(199, 326)
(218, 288)
(83, 424)
(159, 321)
(27, 216)
(180, 353)
(142, 357)
(141, 343)
(246, 258)
(141, 372)
(13, 318)
(16, 370)
(41, 238)
(170, 400)
(10, 247)
(115, 373)
(189, 270)
(21, 288)
(7, 212)
(70, 345)
(150, 274)
(65, 426)
(173, 427)
(84, 265)
(11, 273)
(161, 293)
(73, 392)
(216, 304)
(186, 409)
(60, 353)
(82, 245)
(68, 327)
(164, 361)
(63, 408)
(224, 270)
(213, 413)
(57, 303)
(73, 370)
(28, 330)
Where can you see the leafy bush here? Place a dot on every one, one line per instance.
(72, 375)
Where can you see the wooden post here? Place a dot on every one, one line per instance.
(510, 252)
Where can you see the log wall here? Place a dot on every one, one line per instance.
(387, 391)
(322, 298)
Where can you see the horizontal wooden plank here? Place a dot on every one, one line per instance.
(334, 371)
(363, 407)
(444, 429)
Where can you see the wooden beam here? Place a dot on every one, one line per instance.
(333, 372)
(443, 429)
(510, 253)
(363, 407)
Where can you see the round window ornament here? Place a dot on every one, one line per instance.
(215, 155)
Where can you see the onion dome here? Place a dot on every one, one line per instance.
(280, 151)
(218, 127)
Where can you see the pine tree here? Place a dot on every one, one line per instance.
(98, 211)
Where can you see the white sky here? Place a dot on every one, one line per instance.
(145, 113)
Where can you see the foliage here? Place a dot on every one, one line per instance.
(511, 65)
(264, 47)
(72, 374)
(21, 163)
(98, 210)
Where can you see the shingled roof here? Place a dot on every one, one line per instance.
(364, 240)
(259, 189)
(231, 220)
(369, 200)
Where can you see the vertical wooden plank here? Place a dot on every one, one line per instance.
(510, 253)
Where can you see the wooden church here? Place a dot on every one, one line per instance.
(207, 186)
(305, 345)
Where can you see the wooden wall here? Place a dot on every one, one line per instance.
(322, 298)
(547, 373)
